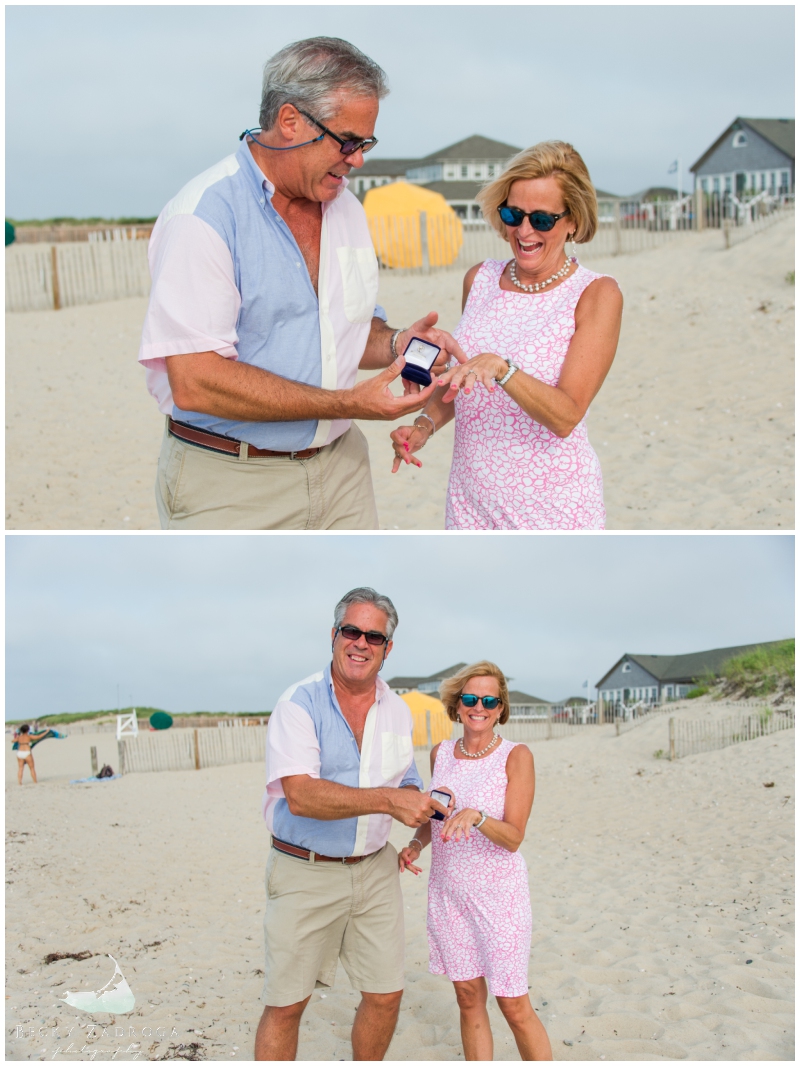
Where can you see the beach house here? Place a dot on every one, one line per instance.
(457, 172)
(660, 678)
(752, 155)
(400, 685)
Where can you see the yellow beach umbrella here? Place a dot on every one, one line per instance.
(421, 704)
(393, 215)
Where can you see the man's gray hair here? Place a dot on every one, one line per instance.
(310, 73)
(365, 595)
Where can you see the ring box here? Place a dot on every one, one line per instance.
(420, 356)
(443, 797)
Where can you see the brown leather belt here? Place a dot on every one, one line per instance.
(228, 446)
(313, 856)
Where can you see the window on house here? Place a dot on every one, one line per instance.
(763, 178)
(465, 172)
(772, 181)
(490, 170)
(728, 183)
(626, 668)
(704, 184)
(451, 172)
(361, 185)
(739, 139)
(716, 184)
(784, 181)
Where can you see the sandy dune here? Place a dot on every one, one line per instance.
(693, 425)
(653, 884)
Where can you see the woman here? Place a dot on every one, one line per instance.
(542, 332)
(479, 910)
(24, 740)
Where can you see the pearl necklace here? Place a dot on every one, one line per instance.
(535, 288)
(477, 755)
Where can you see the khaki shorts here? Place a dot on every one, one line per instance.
(200, 489)
(320, 912)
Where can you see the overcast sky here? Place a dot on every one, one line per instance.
(226, 623)
(110, 110)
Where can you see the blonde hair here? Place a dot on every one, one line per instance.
(555, 159)
(450, 690)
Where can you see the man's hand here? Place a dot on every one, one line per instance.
(412, 808)
(374, 400)
(425, 329)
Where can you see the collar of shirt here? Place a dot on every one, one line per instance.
(262, 186)
(381, 689)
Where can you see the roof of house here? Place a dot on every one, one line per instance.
(380, 167)
(654, 192)
(455, 190)
(522, 699)
(412, 682)
(475, 149)
(574, 701)
(778, 131)
(687, 667)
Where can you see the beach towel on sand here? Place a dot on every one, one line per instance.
(50, 733)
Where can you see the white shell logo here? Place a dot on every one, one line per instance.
(115, 1000)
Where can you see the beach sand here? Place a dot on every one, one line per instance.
(693, 426)
(652, 885)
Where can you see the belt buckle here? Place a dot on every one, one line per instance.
(292, 455)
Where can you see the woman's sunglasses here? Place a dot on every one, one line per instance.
(540, 220)
(489, 702)
(371, 637)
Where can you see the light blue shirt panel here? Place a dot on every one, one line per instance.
(340, 761)
(278, 323)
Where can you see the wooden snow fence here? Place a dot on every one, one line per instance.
(191, 749)
(693, 738)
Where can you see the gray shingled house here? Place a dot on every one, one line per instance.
(752, 155)
(459, 171)
(660, 678)
(423, 684)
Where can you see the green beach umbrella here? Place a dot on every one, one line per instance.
(11, 233)
(160, 720)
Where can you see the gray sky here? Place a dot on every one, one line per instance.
(228, 622)
(110, 110)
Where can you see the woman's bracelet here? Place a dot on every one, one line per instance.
(418, 842)
(484, 816)
(423, 415)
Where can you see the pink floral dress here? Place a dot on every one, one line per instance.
(479, 907)
(509, 471)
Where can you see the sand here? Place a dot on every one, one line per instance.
(693, 426)
(652, 884)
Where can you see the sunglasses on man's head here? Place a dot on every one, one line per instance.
(372, 636)
(489, 702)
(540, 220)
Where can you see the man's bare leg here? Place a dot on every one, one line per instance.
(374, 1025)
(276, 1037)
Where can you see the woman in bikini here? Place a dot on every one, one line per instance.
(24, 739)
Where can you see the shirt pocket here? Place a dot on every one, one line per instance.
(359, 282)
(396, 755)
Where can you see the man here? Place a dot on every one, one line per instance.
(340, 767)
(262, 311)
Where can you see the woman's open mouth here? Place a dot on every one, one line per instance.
(529, 248)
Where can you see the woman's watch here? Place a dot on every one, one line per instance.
(417, 841)
(484, 816)
(512, 369)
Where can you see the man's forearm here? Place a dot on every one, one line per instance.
(378, 352)
(212, 385)
(311, 797)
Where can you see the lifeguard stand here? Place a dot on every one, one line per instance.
(127, 725)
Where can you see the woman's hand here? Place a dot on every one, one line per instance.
(486, 368)
(460, 824)
(406, 859)
(406, 440)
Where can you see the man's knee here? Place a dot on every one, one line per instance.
(284, 1016)
(383, 1001)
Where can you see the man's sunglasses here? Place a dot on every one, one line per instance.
(540, 220)
(489, 702)
(348, 147)
(371, 637)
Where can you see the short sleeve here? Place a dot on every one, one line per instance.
(194, 301)
(380, 313)
(412, 777)
(292, 743)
